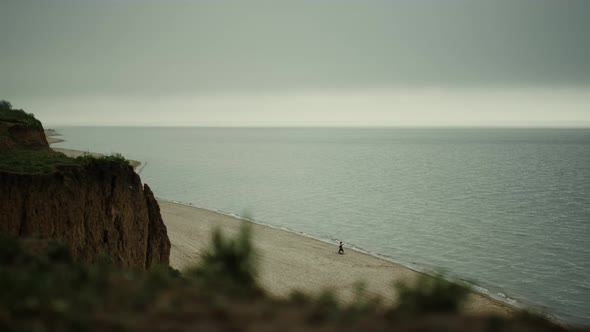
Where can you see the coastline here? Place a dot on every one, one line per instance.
(50, 136)
(292, 261)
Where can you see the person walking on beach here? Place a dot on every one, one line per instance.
(341, 249)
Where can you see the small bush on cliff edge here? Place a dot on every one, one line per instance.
(89, 159)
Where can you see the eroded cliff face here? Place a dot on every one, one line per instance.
(97, 208)
(14, 135)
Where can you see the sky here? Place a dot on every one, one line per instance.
(298, 63)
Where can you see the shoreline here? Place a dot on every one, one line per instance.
(503, 299)
(415, 268)
(296, 261)
(50, 136)
(293, 261)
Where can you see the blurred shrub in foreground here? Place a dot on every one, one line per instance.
(42, 289)
(230, 263)
(430, 294)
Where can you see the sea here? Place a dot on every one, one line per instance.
(506, 209)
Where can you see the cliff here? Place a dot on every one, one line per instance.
(97, 205)
(18, 136)
(97, 208)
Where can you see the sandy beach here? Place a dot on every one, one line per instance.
(289, 261)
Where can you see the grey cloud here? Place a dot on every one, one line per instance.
(207, 47)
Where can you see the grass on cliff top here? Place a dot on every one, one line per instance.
(44, 161)
(32, 161)
(49, 291)
(9, 114)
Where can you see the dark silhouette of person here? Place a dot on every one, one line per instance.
(341, 249)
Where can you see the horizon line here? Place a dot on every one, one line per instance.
(319, 126)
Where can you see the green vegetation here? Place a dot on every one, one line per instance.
(44, 289)
(230, 262)
(50, 292)
(89, 159)
(44, 161)
(32, 161)
(8, 114)
(431, 294)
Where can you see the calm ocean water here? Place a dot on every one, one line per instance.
(507, 209)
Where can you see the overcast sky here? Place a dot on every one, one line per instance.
(415, 62)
